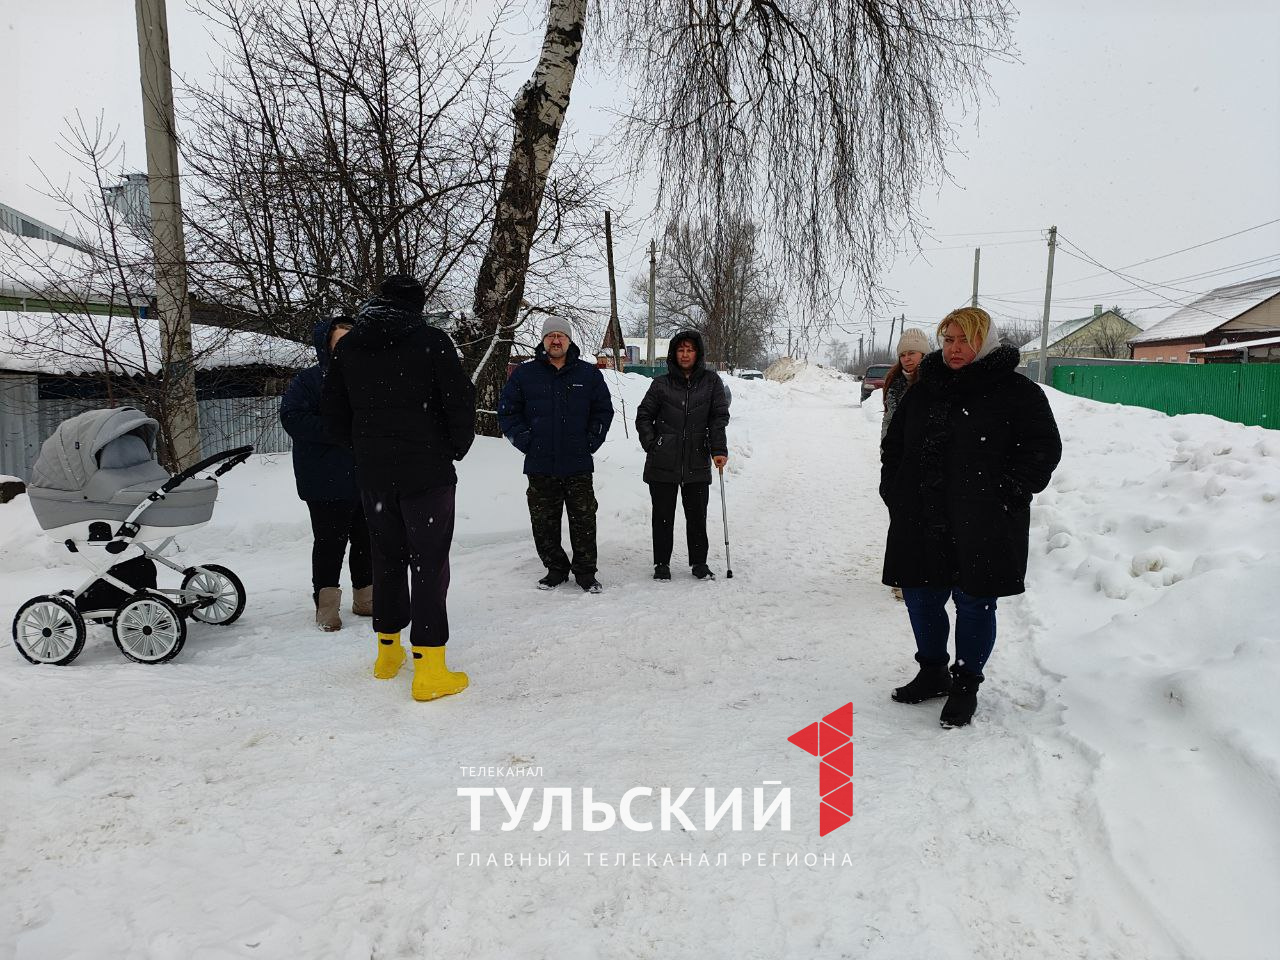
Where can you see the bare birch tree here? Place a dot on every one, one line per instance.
(823, 118)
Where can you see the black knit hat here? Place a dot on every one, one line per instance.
(404, 291)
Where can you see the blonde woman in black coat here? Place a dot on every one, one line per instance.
(969, 445)
(681, 424)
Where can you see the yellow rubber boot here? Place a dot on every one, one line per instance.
(390, 656)
(431, 678)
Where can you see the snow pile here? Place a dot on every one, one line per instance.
(783, 369)
(1155, 559)
(261, 796)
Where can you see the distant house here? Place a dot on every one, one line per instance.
(633, 350)
(1104, 333)
(1232, 314)
(637, 349)
(1262, 350)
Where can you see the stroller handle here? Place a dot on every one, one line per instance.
(129, 528)
(233, 457)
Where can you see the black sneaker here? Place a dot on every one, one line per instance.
(702, 572)
(960, 706)
(552, 580)
(662, 571)
(589, 585)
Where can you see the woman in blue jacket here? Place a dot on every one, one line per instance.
(324, 470)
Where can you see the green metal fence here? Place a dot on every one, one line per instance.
(657, 370)
(1244, 393)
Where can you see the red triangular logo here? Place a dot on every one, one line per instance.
(831, 819)
(806, 739)
(842, 759)
(829, 778)
(829, 738)
(841, 798)
(841, 719)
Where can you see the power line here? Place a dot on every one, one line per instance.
(993, 233)
(1163, 256)
(1087, 258)
(1131, 288)
(969, 246)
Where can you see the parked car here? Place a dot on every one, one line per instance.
(873, 378)
(749, 375)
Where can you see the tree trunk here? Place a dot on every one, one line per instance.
(538, 116)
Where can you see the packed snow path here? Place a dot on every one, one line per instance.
(263, 796)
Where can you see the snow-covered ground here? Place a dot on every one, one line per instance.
(262, 796)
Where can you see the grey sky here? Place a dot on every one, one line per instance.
(1139, 127)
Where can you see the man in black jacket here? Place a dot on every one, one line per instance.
(397, 394)
(556, 410)
(681, 424)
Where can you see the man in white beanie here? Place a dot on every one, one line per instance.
(556, 410)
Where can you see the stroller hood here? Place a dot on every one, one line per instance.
(68, 460)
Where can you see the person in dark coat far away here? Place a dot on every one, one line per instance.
(325, 475)
(397, 394)
(556, 410)
(970, 444)
(681, 424)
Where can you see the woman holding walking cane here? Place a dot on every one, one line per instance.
(681, 424)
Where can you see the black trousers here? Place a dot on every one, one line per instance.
(411, 536)
(334, 524)
(694, 496)
(548, 496)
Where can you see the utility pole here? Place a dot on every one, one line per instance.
(977, 258)
(653, 303)
(178, 377)
(860, 336)
(615, 328)
(892, 323)
(614, 331)
(1048, 296)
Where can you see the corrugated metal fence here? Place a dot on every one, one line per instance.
(1241, 392)
(223, 424)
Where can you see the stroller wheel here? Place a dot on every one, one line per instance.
(149, 629)
(224, 586)
(49, 630)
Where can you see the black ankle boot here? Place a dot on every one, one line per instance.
(931, 681)
(963, 701)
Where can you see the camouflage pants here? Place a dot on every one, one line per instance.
(546, 497)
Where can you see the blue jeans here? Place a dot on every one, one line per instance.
(975, 625)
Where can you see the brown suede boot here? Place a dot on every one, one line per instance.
(362, 602)
(328, 603)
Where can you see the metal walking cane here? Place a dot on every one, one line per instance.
(724, 519)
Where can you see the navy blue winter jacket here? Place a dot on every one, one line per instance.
(556, 418)
(323, 467)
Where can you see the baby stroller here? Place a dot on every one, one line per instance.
(97, 488)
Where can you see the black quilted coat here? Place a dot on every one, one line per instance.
(681, 420)
(964, 454)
